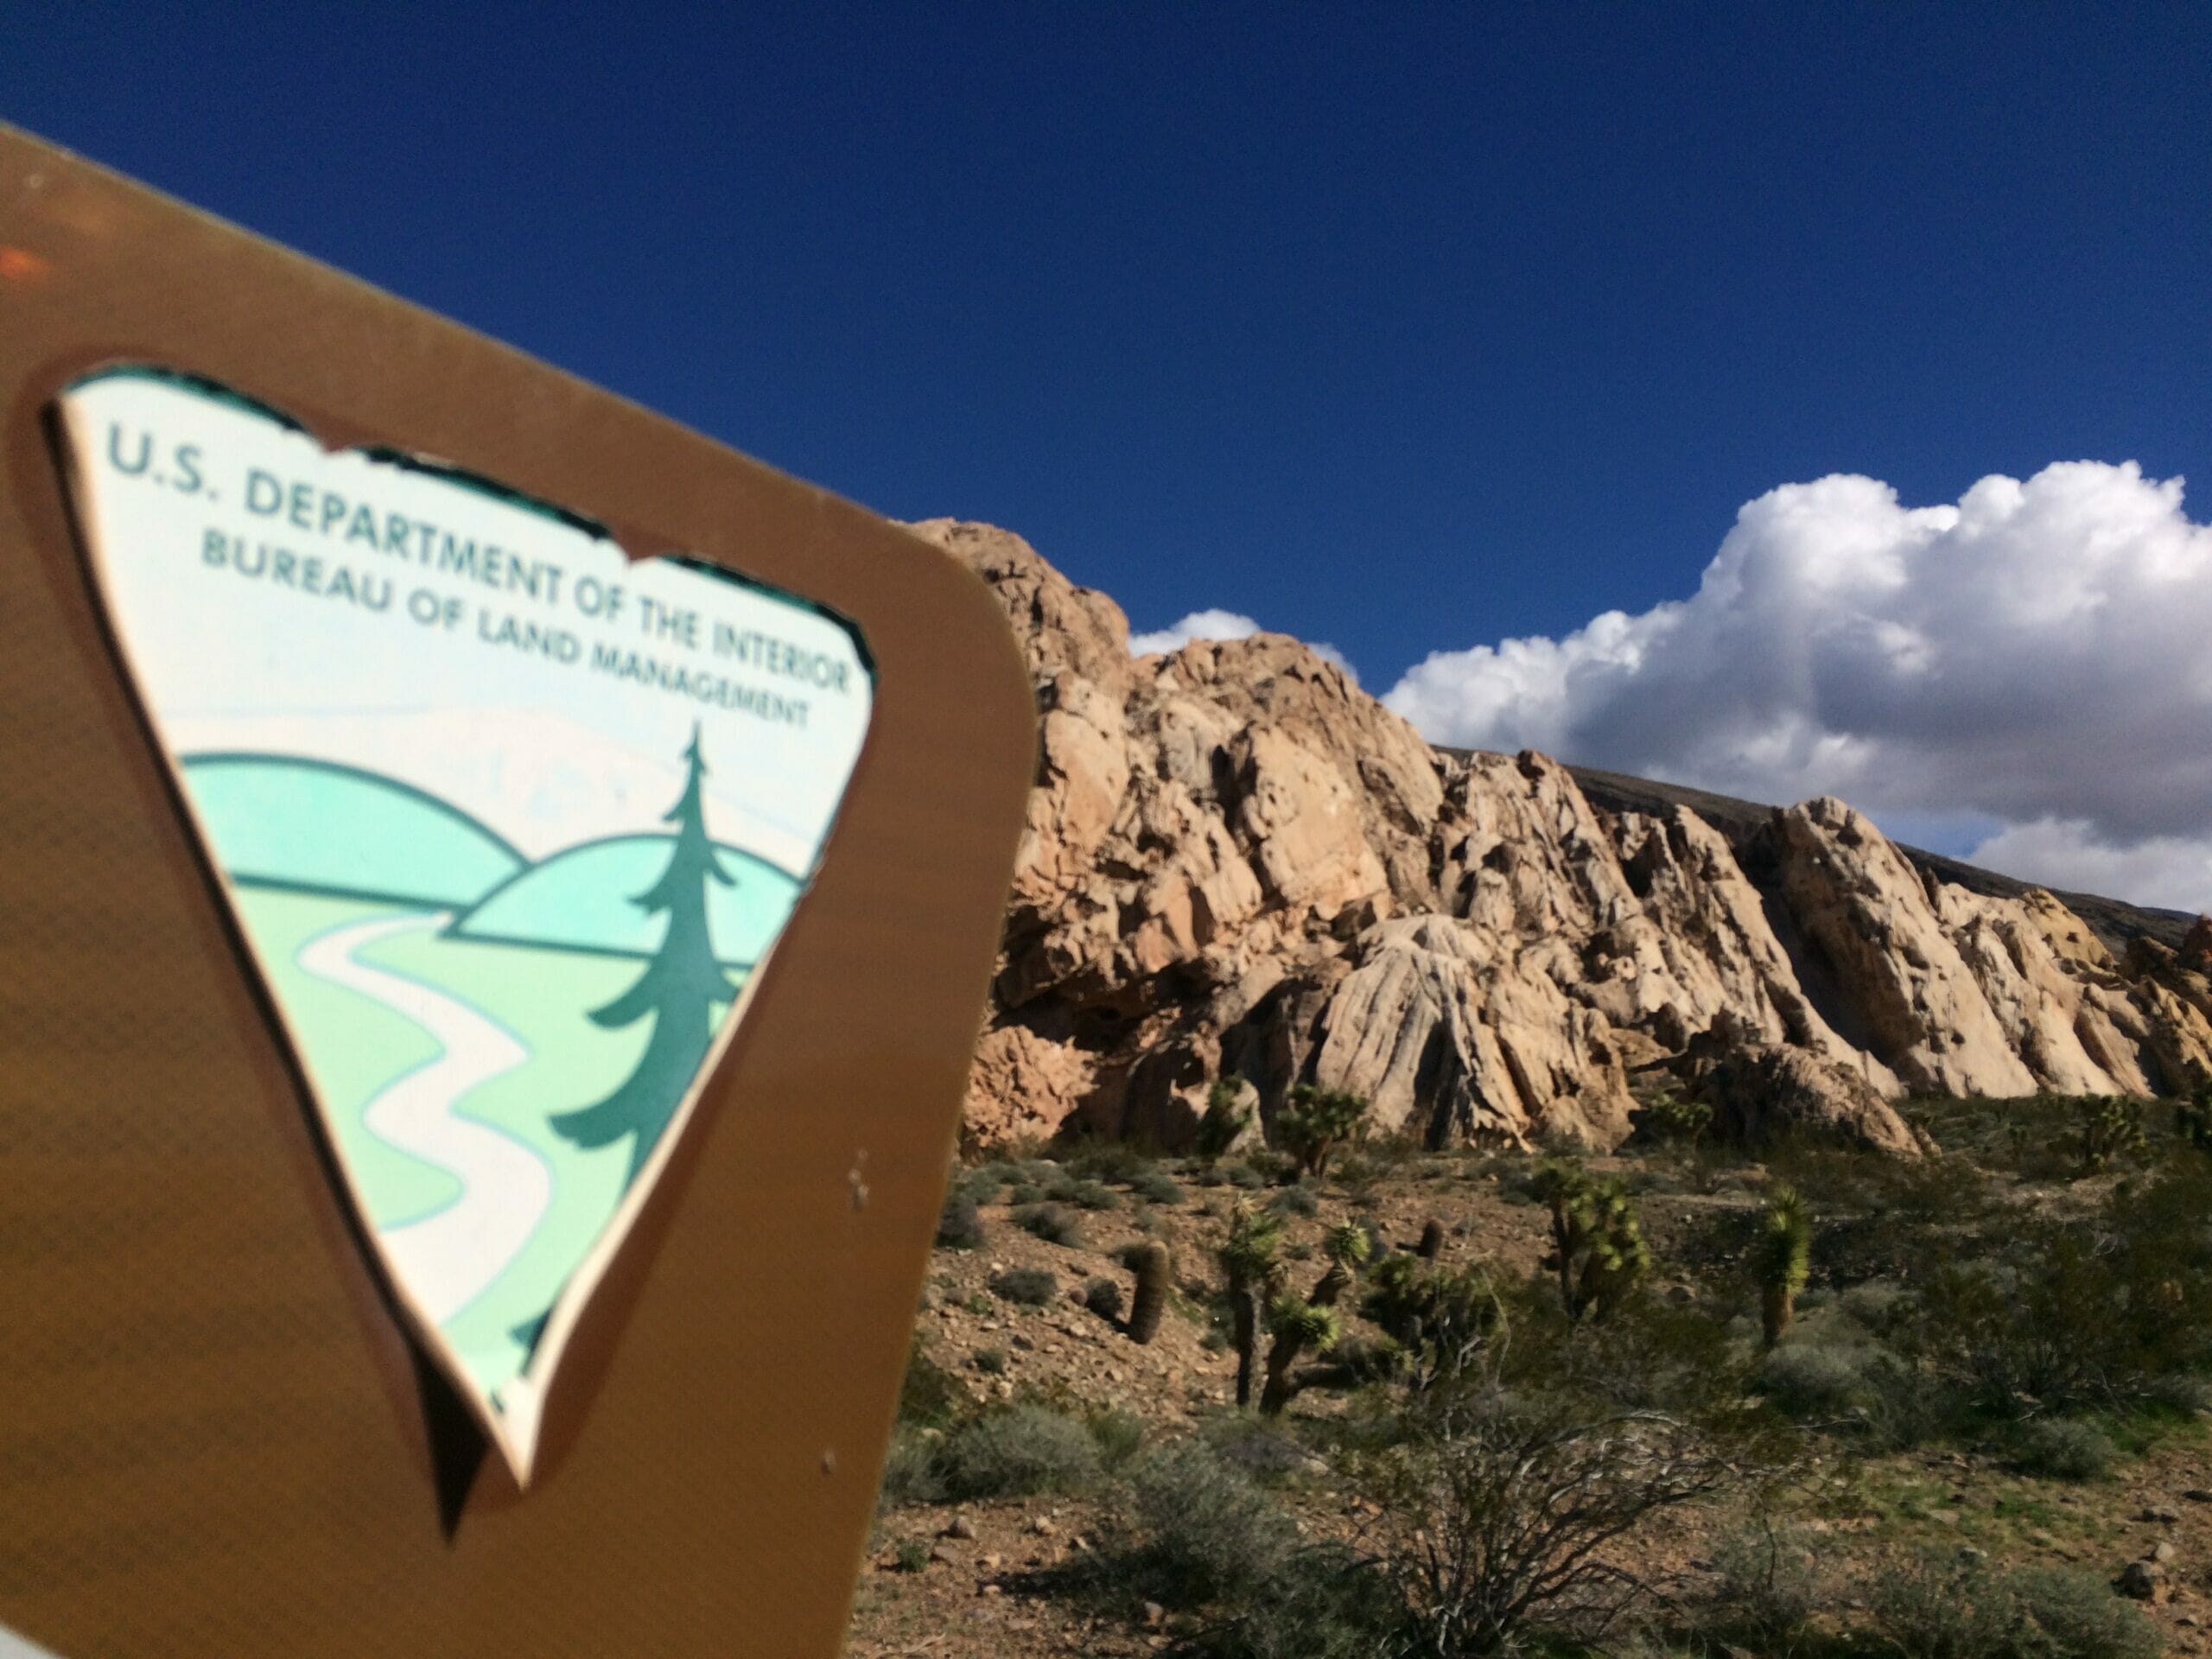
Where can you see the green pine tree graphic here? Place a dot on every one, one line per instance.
(677, 991)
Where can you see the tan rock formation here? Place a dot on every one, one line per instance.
(1235, 861)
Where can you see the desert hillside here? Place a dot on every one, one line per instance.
(1237, 863)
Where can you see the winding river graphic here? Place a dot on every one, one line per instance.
(510, 821)
(499, 1044)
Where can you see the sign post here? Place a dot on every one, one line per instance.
(495, 897)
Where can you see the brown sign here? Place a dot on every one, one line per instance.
(495, 897)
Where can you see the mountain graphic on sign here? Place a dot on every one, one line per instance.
(457, 1066)
(507, 907)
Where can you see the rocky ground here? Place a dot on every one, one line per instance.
(1241, 881)
(1060, 1570)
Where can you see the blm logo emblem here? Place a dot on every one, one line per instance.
(510, 825)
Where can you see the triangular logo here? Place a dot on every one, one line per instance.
(511, 826)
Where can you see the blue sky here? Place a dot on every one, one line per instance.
(1411, 329)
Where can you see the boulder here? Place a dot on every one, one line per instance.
(1236, 861)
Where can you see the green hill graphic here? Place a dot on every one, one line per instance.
(583, 899)
(313, 826)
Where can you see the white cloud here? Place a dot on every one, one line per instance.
(2173, 871)
(1222, 625)
(2038, 655)
(1199, 624)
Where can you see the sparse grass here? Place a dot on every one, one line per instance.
(1156, 1186)
(1985, 1342)
(959, 1227)
(1120, 1434)
(1024, 1451)
(1029, 1286)
(1931, 1608)
(2065, 1449)
(1051, 1222)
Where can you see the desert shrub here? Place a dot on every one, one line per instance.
(1210, 1533)
(1893, 1198)
(1025, 1194)
(910, 1470)
(1255, 1447)
(1768, 1588)
(2074, 1315)
(1242, 1174)
(930, 1396)
(1030, 1287)
(2064, 1449)
(986, 1181)
(1085, 1195)
(1493, 1525)
(1051, 1222)
(1653, 1355)
(1875, 1304)
(1360, 1178)
(1120, 1434)
(991, 1361)
(2073, 1614)
(1817, 1380)
(959, 1227)
(1298, 1201)
(1931, 1608)
(1206, 1539)
(2190, 1396)
(1156, 1186)
(1024, 1451)
(1104, 1298)
(1108, 1161)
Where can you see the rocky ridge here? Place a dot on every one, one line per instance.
(1236, 861)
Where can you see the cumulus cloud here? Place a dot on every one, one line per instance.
(2037, 656)
(1222, 625)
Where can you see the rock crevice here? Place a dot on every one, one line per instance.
(1234, 861)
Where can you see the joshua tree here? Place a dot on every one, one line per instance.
(1782, 1260)
(678, 991)
(1250, 1261)
(1152, 1266)
(1314, 1121)
(2109, 1127)
(1225, 1119)
(1298, 1327)
(1597, 1249)
(1441, 1321)
(2193, 1118)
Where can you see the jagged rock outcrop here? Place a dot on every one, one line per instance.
(1235, 861)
